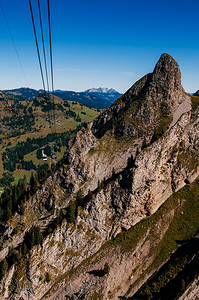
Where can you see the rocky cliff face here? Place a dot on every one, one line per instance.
(144, 111)
(133, 157)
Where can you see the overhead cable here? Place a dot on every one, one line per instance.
(44, 52)
(51, 60)
(36, 40)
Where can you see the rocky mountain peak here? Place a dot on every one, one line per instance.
(165, 84)
(167, 65)
(150, 102)
(117, 171)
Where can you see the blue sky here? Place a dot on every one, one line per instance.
(101, 43)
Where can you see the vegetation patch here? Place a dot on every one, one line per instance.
(174, 277)
(49, 277)
(194, 100)
(91, 151)
(184, 225)
(26, 127)
(162, 128)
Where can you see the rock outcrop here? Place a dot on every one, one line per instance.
(145, 110)
(132, 158)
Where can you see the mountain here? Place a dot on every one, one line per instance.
(108, 94)
(100, 98)
(102, 91)
(22, 93)
(196, 93)
(118, 216)
(90, 100)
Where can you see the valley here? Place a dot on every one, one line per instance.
(33, 121)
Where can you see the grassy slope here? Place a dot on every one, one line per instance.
(41, 127)
(183, 226)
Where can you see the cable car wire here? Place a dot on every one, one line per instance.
(40, 64)
(36, 40)
(10, 32)
(51, 60)
(45, 61)
(44, 52)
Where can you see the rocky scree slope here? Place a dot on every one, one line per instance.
(141, 160)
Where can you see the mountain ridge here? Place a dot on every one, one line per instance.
(117, 172)
(91, 99)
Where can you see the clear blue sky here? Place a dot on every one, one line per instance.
(101, 43)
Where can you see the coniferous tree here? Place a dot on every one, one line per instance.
(19, 188)
(90, 194)
(33, 183)
(71, 212)
(22, 208)
(79, 198)
(24, 183)
(144, 144)
(14, 198)
(106, 268)
(8, 212)
(11, 257)
(24, 248)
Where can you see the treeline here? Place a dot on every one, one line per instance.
(12, 200)
(18, 255)
(47, 105)
(73, 115)
(34, 236)
(13, 157)
(14, 197)
(22, 117)
(6, 179)
(70, 213)
(27, 165)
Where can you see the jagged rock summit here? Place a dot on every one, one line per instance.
(166, 82)
(142, 114)
(117, 171)
(154, 96)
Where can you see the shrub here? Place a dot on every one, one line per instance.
(49, 277)
(106, 269)
(71, 212)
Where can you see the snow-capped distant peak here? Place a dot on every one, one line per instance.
(101, 90)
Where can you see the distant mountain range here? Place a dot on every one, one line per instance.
(109, 94)
(95, 98)
(102, 91)
(84, 98)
